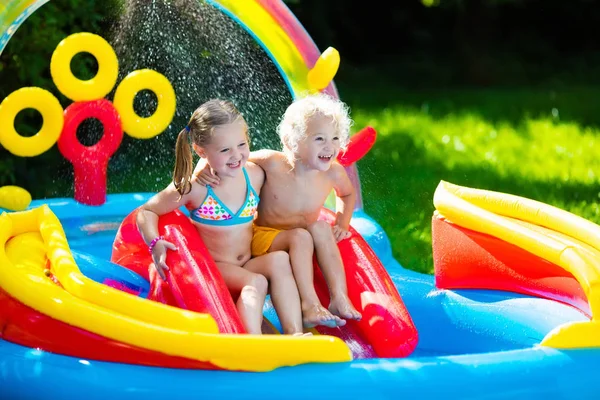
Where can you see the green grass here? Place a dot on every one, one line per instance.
(538, 143)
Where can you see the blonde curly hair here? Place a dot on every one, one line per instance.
(292, 128)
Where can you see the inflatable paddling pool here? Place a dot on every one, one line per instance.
(511, 311)
(472, 342)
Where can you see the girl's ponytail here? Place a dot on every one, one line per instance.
(182, 175)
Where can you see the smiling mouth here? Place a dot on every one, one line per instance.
(235, 164)
(326, 158)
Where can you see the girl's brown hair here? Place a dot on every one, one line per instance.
(199, 129)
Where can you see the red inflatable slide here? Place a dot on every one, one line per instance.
(194, 283)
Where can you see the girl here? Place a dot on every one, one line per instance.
(224, 215)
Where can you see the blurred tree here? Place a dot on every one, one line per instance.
(481, 42)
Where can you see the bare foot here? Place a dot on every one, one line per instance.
(342, 307)
(319, 315)
(302, 334)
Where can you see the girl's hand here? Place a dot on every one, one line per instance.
(159, 256)
(340, 233)
(206, 176)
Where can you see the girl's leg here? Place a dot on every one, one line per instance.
(330, 262)
(299, 244)
(284, 293)
(253, 291)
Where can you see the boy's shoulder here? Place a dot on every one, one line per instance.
(337, 171)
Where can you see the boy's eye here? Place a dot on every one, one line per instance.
(336, 138)
(318, 138)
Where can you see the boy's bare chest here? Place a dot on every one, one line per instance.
(295, 195)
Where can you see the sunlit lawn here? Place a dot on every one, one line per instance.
(537, 143)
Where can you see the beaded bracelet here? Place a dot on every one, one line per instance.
(154, 241)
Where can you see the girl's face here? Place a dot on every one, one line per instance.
(321, 145)
(228, 150)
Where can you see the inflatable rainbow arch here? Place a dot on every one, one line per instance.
(512, 309)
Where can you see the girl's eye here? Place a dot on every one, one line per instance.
(224, 150)
(241, 144)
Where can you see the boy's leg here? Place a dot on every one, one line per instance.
(253, 291)
(284, 293)
(330, 262)
(299, 244)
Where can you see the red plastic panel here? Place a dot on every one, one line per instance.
(359, 146)
(465, 259)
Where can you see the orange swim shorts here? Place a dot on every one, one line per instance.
(262, 238)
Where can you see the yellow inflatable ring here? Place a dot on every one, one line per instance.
(52, 113)
(134, 125)
(74, 88)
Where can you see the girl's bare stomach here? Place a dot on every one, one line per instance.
(227, 244)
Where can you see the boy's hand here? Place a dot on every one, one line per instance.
(206, 176)
(340, 233)
(159, 256)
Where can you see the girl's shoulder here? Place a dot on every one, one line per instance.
(256, 175)
(196, 195)
(198, 189)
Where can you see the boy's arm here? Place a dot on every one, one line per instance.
(263, 158)
(204, 175)
(346, 196)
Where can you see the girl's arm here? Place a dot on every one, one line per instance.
(160, 204)
(345, 199)
(147, 223)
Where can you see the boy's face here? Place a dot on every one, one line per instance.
(228, 149)
(321, 145)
